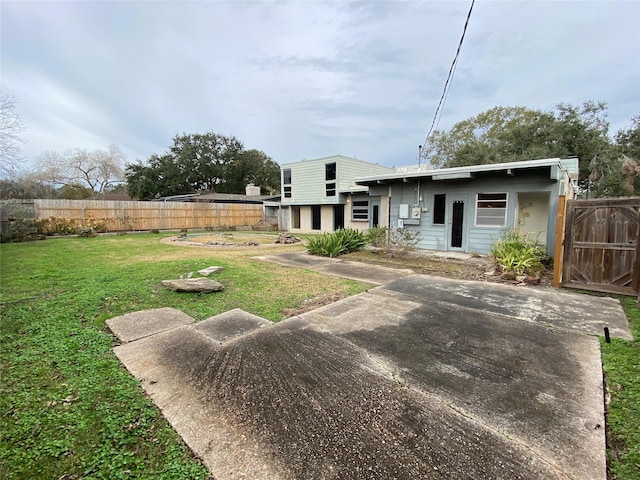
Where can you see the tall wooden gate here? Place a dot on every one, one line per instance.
(601, 247)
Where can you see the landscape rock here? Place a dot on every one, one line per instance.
(287, 238)
(209, 270)
(203, 285)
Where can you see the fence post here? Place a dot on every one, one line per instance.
(635, 282)
(558, 251)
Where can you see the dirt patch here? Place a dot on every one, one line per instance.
(476, 268)
(315, 302)
(228, 239)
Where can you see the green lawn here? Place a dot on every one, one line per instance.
(68, 408)
(621, 360)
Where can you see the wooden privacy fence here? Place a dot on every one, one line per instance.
(601, 247)
(122, 215)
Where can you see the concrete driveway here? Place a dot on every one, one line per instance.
(419, 378)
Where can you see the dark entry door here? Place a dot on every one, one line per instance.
(315, 217)
(375, 221)
(457, 222)
(338, 217)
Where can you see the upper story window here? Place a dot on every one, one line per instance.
(286, 182)
(330, 171)
(491, 210)
(330, 179)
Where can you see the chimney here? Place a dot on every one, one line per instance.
(252, 190)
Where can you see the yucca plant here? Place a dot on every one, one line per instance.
(514, 252)
(336, 243)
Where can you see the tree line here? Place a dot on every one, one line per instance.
(211, 162)
(609, 167)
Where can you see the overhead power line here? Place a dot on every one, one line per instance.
(447, 84)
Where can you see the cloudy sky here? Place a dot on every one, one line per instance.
(304, 79)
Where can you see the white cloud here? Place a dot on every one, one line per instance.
(304, 79)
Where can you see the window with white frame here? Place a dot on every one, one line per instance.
(360, 211)
(491, 209)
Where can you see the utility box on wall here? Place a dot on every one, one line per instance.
(404, 211)
(415, 213)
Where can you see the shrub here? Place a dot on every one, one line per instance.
(87, 232)
(336, 243)
(377, 236)
(96, 224)
(515, 253)
(56, 226)
(18, 222)
(402, 240)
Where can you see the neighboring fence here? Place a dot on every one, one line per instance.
(601, 247)
(121, 215)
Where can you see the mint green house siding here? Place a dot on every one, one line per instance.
(316, 183)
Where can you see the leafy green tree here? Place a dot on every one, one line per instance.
(508, 134)
(628, 140)
(75, 191)
(26, 187)
(202, 162)
(252, 167)
(619, 176)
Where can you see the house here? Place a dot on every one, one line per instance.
(320, 195)
(466, 209)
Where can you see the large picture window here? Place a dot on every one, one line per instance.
(360, 211)
(491, 210)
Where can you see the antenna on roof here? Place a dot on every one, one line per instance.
(419, 155)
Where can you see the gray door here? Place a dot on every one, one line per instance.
(457, 223)
(284, 220)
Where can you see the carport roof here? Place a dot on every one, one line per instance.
(423, 172)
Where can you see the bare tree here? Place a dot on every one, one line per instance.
(97, 169)
(11, 128)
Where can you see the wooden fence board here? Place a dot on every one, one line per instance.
(122, 215)
(601, 247)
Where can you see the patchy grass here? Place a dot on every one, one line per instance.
(69, 409)
(621, 362)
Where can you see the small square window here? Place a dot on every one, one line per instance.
(287, 191)
(330, 190)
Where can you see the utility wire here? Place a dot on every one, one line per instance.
(452, 70)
